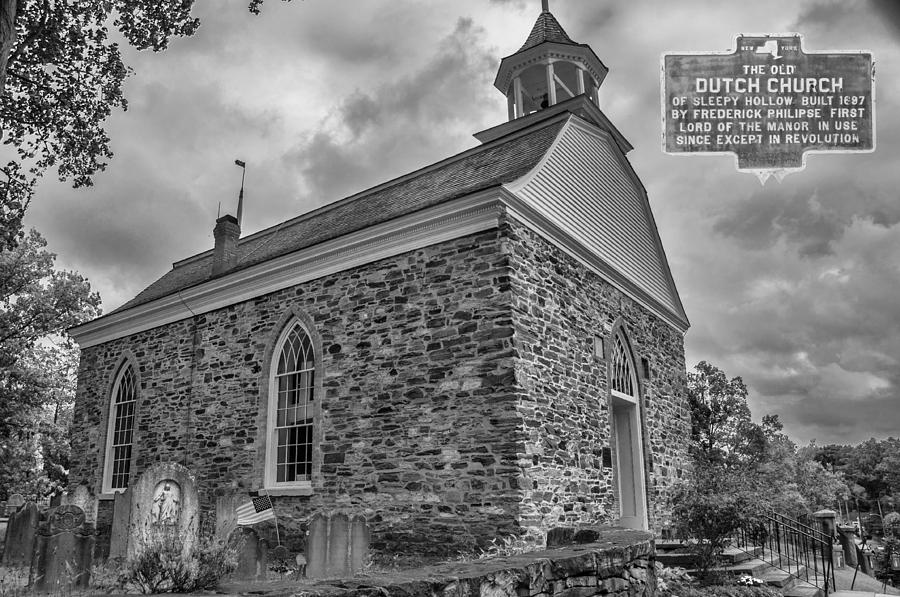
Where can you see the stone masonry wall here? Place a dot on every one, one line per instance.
(620, 563)
(418, 429)
(559, 306)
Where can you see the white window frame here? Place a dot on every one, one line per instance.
(111, 427)
(270, 477)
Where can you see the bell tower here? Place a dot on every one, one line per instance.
(548, 69)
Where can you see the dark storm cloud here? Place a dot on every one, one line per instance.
(846, 420)
(375, 134)
(890, 11)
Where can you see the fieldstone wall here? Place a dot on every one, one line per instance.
(559, 307)
(460, 400)
(417, 429)
(620, 564)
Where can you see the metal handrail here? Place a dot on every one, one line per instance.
(791, 544)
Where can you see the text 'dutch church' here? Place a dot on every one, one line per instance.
(491, 345)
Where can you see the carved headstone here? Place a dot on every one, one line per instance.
(359, 543)
(338, 564)
(63, 552)
(84, 498)
(336, 546)
(13, 502)
(164, 507)
(120, 529)
(252, 554)
(21, 529)
(317, 546)
(226, 517)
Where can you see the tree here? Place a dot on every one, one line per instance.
(60, 78)
(35, 448)
(37, 364)
(36, 301)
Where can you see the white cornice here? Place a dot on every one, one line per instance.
(455, 219)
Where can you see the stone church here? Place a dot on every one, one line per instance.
(489, 346)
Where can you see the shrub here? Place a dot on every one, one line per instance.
(708, 519)
(163, 566)
(722, 591)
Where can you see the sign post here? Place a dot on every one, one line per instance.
(768, 103)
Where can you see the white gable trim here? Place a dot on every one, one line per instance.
(609, 271)
(538, 222)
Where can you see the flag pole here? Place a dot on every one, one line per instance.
(274, 517)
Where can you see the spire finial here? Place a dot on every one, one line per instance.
(545, 5)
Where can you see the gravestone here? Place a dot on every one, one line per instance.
(13, 502)
(21, 529)
(164, 507)
(84, 498)
(121, 525)
(252, 554)
(226, 517)
(359, 543)
(337, 546)
(63, 552)
(338, 563)
(317, 546)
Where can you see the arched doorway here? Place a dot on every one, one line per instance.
(625, 421)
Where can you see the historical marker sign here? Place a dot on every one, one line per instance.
(768, 102)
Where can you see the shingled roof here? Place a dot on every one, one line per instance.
(483, 167)
(546, 28)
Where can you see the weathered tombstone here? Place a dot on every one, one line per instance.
(84, 498)
(164, 507)
(226, 517)
(63, 552)
(13, 502)
(252, 554)
(121, 525)
(20, 532)
(317, 546)
(359, 543)
(338, 563)
(336, 546)
(56, 500)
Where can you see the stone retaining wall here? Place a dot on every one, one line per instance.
(620, 564)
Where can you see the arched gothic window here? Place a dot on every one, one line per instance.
(291, 409)
(120, 431)
(623, 379)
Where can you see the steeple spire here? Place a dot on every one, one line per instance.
(549, 68)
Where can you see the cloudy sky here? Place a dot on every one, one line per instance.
(793, 286)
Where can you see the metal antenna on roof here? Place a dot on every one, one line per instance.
(240, 212)
(545, 5)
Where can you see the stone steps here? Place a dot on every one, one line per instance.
(753, 562)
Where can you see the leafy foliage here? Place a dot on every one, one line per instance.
(37, 365)
(163, 566)
(60, 78)
(741, 468)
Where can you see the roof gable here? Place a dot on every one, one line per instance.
(585, 186)
(486, 166)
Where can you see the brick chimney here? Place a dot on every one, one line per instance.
(225, 254)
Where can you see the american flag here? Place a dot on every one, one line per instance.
(257, 510)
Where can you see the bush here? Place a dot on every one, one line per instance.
(708, 520)
(164, 567)
(722, 591)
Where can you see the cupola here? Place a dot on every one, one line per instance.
(549, 68)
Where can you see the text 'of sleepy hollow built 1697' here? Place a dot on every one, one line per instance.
(768, 102)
